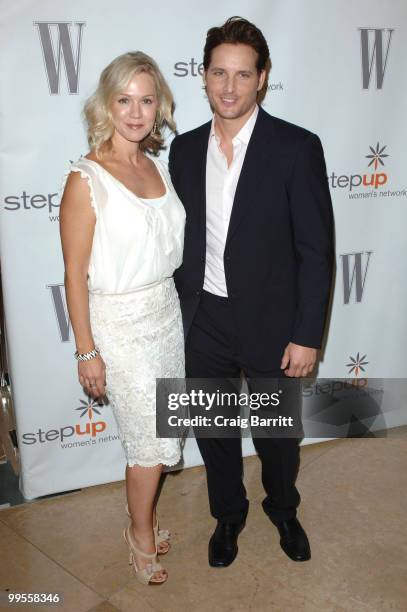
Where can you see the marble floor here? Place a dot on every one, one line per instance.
(354, 508)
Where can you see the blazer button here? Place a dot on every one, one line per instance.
(197, 292)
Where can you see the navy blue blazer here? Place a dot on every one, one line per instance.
(279, 249)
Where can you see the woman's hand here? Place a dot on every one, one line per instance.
(92, 376)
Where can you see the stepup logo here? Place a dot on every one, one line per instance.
(357, 364)
(369, 184)
(49, 202)
(86, 432)
(90, 408)
(192, 67)
(357, 371)
(27, 201)
(377, 156)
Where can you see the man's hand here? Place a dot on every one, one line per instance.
(300, 359)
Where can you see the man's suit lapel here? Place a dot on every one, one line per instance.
(199, 164)
(256, 164)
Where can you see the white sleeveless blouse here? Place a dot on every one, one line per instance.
(136, 244)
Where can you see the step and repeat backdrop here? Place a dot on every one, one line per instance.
(338, 69)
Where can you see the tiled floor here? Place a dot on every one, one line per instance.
(354, 510)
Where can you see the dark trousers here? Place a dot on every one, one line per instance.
(212, 351)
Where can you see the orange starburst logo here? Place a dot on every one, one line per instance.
(377, 156)
(89, 407)
(356, 364)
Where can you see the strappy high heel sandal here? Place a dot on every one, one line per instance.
(161, 536)
(146, 574)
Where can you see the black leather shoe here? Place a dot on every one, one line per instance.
(293, 540)
(223, 544)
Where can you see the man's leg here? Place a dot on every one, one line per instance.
(277, 447)
(280, 459)
(279, 452)
(210, 354)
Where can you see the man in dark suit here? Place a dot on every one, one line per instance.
(255, 280)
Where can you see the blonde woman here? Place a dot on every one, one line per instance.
(122, 230)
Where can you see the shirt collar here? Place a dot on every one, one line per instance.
(245, 132)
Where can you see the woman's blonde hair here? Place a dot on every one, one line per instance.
(113, 80)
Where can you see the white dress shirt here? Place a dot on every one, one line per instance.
(221, 183)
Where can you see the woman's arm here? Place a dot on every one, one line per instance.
(77, 224)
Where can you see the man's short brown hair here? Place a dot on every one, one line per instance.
(237, 30)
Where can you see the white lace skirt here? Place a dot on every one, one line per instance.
(140, 338)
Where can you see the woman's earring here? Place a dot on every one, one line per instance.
(154, 130)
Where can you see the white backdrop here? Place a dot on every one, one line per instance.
(338, 69)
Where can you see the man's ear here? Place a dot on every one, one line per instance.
(262, 78)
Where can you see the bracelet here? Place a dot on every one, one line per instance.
(86, 356)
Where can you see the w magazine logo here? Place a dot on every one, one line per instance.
(61, 310)
(58, 48)
(354, 273)
(375, 46)
(357, 364)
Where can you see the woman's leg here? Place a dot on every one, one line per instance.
(141, 487)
